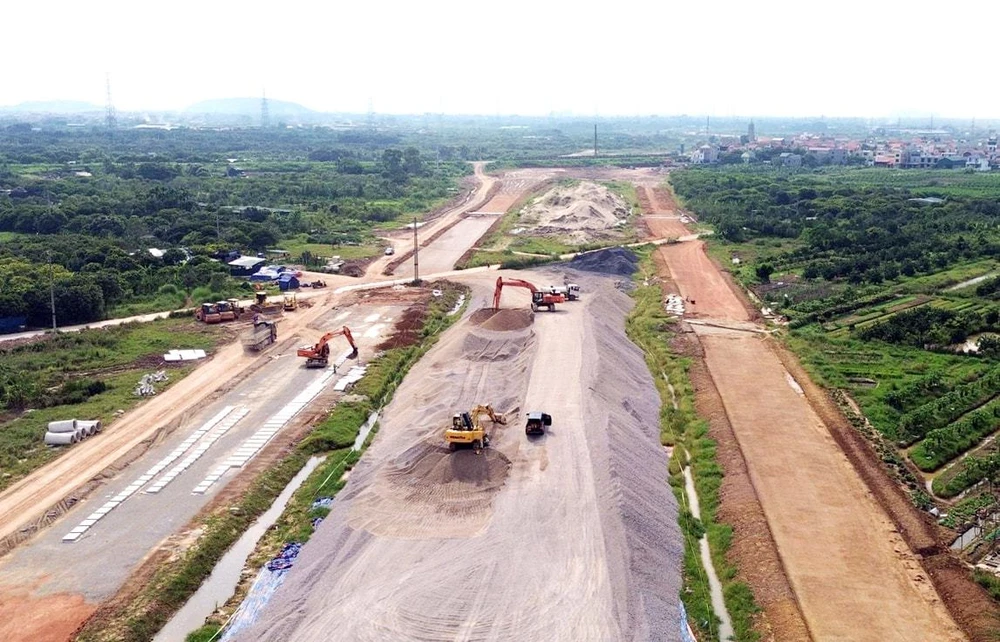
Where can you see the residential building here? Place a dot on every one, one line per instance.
(705, 154)
(787, 159)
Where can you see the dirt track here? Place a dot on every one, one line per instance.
(853, 575)
(663, 218)
(546, 539)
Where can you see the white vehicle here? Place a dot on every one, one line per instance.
(389, 251)
(570, 291)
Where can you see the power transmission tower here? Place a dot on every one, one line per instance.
(371, 113)
(110, 117)
(265, 117)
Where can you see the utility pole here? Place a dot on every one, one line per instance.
(52, 290)
(416, 255)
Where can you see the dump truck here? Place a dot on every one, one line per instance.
(570, 291)
(537, 423)
(261, 335)
(539, 299)
(467, 429)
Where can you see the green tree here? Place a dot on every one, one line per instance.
(392, 165)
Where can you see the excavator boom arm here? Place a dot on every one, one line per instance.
(518, 283)
(321, 348)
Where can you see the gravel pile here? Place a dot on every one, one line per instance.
(614, 260)
(502, 320)
(639, 512)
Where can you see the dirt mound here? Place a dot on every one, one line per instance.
(423, 467)
(502, 320)
(492, 346)
(581, 213)
(430, 492)
(614, 260)
(407, 329)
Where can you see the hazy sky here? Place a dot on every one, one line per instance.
(754, 57)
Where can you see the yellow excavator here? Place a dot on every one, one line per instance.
(467, 430)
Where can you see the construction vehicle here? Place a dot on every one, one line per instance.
(263, 334)
(467, 429)
(318, 356)
(539, 299)
(537, 422)
(208, 313)
(291, 303)
(570, 291)
(229, 310)
(219, 311)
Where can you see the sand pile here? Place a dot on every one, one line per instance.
(578, 213)
(502, 320)
(424, 470)
(430, 492)
(615, 260)
(480, 345)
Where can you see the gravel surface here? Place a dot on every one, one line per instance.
(570, 536)
(615, 260)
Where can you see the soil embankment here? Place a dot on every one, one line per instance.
(568, 536)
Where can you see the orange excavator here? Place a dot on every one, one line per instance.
(318, 356)
(539, 299)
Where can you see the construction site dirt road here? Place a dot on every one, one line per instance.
(552, 538)
(852, 574)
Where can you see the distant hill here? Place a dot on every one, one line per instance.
(53, 107)
(248, 107)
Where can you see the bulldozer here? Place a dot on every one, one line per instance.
(291, 303)
(467, 430)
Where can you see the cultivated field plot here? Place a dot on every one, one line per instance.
(932, 402)
(569, 536)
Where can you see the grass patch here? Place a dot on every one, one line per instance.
(649, 327)
(206, 633)
(62, 376)
(176, 581)
(296, 245)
